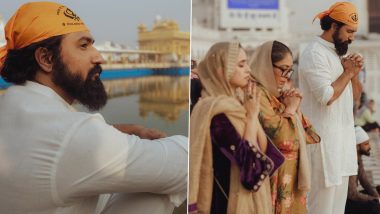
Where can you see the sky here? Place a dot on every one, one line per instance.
(117, 20)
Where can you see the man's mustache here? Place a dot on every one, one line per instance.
(348, 41)
(97, 69)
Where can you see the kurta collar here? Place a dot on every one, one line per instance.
(326, 43)
(46, 91)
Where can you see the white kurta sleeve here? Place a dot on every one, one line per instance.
(100, 159)
(318, 77)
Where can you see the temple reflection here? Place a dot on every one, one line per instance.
(165, 96)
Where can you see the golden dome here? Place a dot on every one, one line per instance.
(142, 28)
(166, 25)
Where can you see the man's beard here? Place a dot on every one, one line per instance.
(341, 47)
(89, 92)
(365, 152)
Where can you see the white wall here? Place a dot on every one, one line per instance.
(2, 36)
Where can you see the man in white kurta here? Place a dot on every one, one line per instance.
(55, 160)
(328, 87)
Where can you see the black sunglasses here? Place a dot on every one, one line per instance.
(287, 73)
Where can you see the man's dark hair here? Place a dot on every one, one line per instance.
(279, 51)
(326, 23)
(20, 65)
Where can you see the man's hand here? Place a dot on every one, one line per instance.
(357, 58)
(353, 64)
(151, 134)
(142, 132)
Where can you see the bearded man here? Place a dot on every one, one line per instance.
(367, 200)
(57, 160)
(329, 82)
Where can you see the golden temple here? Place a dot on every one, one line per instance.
(165, 36)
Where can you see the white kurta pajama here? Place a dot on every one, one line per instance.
(334, 159)
(54, 160)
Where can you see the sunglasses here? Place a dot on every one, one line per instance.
(287, 73)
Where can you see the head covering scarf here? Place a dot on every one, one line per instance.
(219, 97)
(262, 70)
(217, 68)
(344, 12)
(361, 135)
(261, 62)
(37, 21)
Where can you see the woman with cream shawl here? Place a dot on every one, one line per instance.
(289, 130)
(230, 157)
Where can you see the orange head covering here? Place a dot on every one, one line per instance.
(344, 12)
(37, 21)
